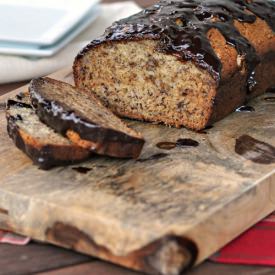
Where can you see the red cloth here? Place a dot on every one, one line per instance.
(255, 246)
(11, 238)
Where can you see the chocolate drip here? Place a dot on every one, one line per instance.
(12, 102)
(246, 109)
(18, 117)
(270, 99)
(166, 145)
(182, 28)
(182, 142)
(204, 131)
(255, 150)
(82, 170)
(187, 142)
(265, 10)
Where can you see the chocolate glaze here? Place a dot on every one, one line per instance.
(19, 104)
(166, 145)
(255, 150)
(246, 109)
(61, 118)
(82, 170)
(209, 127)
(18, 117)
(270, 99)
(182, 142)
(187, 142)
(204, 131)
(182, 28)
(43, 157)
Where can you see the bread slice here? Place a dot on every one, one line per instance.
(45, 147)
(79, 115)
(184, 63)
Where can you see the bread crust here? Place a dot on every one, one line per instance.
(43, 154)
(231, 91)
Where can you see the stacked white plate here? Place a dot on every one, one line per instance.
(41, 28)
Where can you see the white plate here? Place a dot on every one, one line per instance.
(40, 21)
(43, 51)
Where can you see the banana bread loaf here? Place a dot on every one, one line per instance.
(81, 117)
(188, 62)
(45, 147)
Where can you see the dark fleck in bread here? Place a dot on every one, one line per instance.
(185, 63)
(44, 146)
(81, 117)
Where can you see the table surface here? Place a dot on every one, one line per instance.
(48, 259)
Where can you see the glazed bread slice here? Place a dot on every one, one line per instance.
(185, 63)
(81, 117)
(45, 147)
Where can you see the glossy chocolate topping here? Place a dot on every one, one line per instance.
(82, 170)
(45, 156)
(187, 142)
(245, 109)
(182, 28)
(270, 98)
(19, 104)
(182, 142)
(166, 145)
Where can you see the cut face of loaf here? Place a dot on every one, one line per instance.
(81, 117)
(134, 80)
(176, 62)
(45, 147)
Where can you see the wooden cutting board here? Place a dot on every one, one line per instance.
(163, 213)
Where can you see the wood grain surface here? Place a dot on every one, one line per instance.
(36, 258)
(207, 268)
(159, 214)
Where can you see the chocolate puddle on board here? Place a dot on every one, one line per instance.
(82, 170)
(182, 142)
(270, 99)
(255, 150)
(246, 109)
(204, 131)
